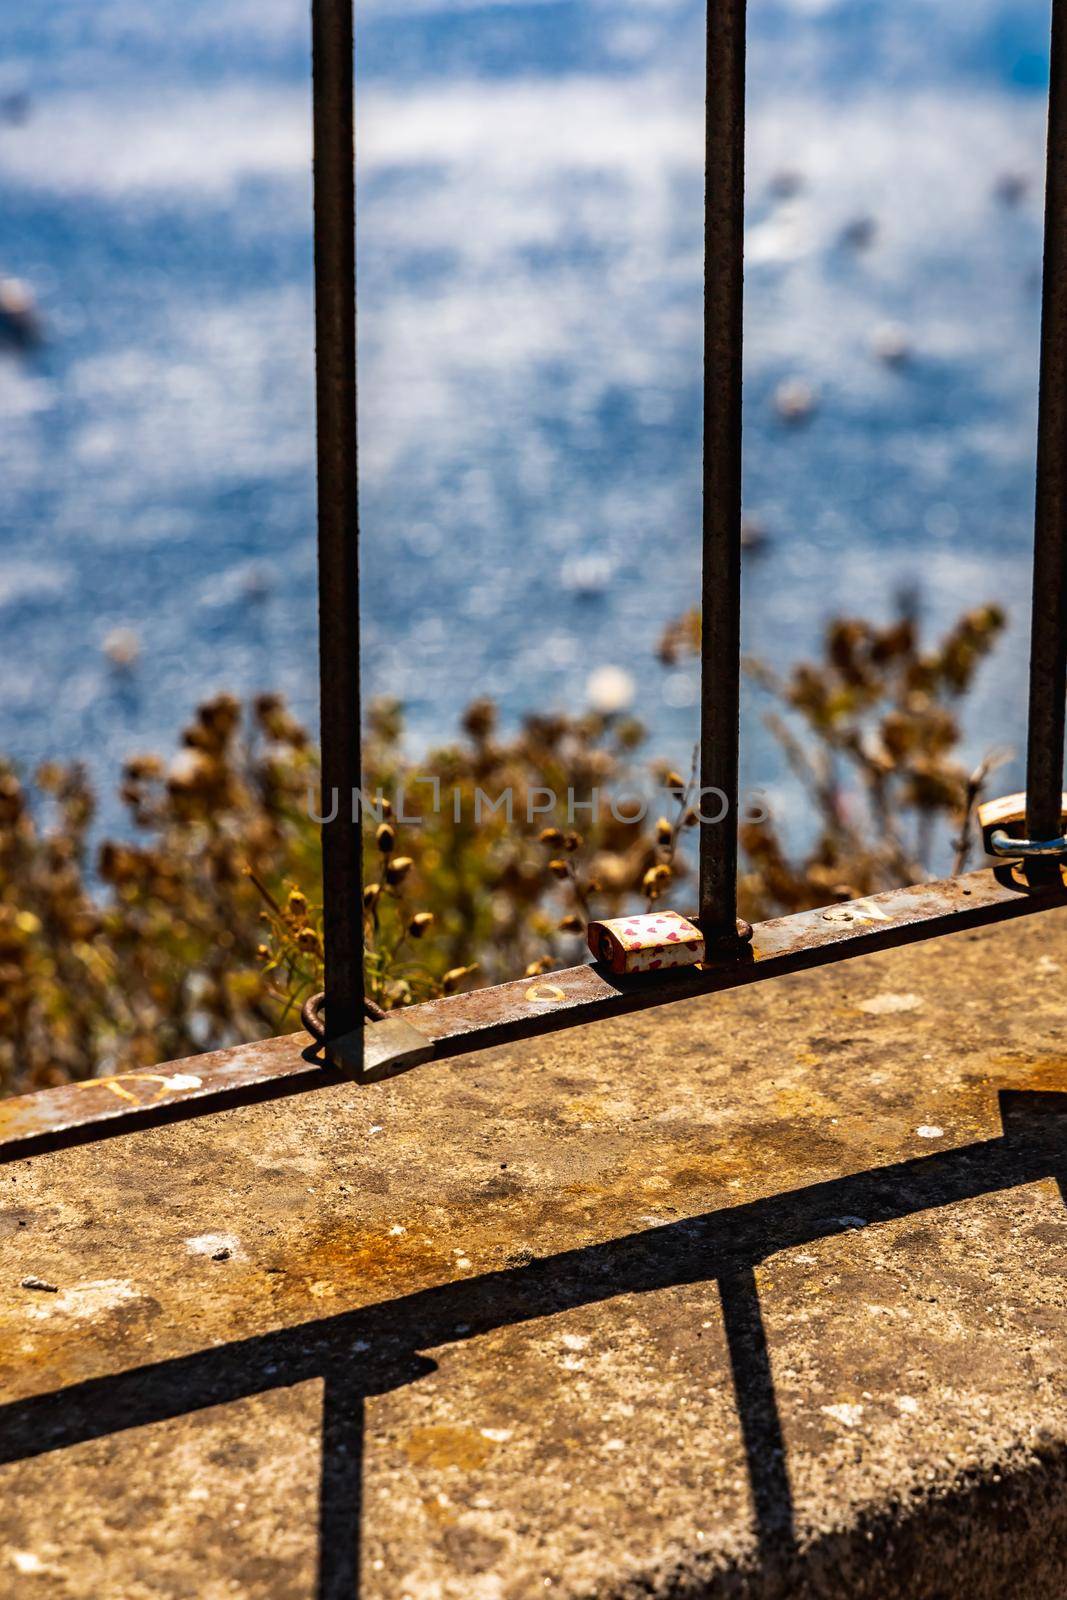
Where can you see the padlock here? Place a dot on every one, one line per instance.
(646, 943)
(1003, 825)
(382, 1047)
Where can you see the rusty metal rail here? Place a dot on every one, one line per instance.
(97, 1107)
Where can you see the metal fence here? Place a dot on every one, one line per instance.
(1029, 879)
(721, 582)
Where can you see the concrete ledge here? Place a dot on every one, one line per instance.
(755, 1295)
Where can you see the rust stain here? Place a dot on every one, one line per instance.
(590, 1108)
(448, 1445)
(346, 1257)
(18, 1114)
(1022, 1070)
(545, 994)
(803, 1102)
(63, 1344)
(973, 1100)
(117, 1085)
(348, 1263)
(606, 1189)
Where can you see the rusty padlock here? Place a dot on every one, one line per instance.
(384, 1046)
(646, 943)
(1003, 825)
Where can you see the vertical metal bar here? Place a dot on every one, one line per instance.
(1048, 637)
(338, 510)
(720, 655)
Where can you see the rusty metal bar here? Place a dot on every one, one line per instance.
(459, 1023)
(720, 595)
(1048, 638)
(338, 507)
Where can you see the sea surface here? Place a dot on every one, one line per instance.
(530, 192)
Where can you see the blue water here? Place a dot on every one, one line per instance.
(530, 304)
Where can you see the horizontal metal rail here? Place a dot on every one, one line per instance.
(98, 1107)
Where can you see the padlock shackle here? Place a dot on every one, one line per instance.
(1001, 843)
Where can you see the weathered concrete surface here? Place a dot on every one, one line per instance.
(761, 1294)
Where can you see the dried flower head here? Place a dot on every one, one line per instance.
(397, 869)
(455, 976)
(534, 969)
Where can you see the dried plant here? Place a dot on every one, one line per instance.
(203, 927)
(871, 732)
